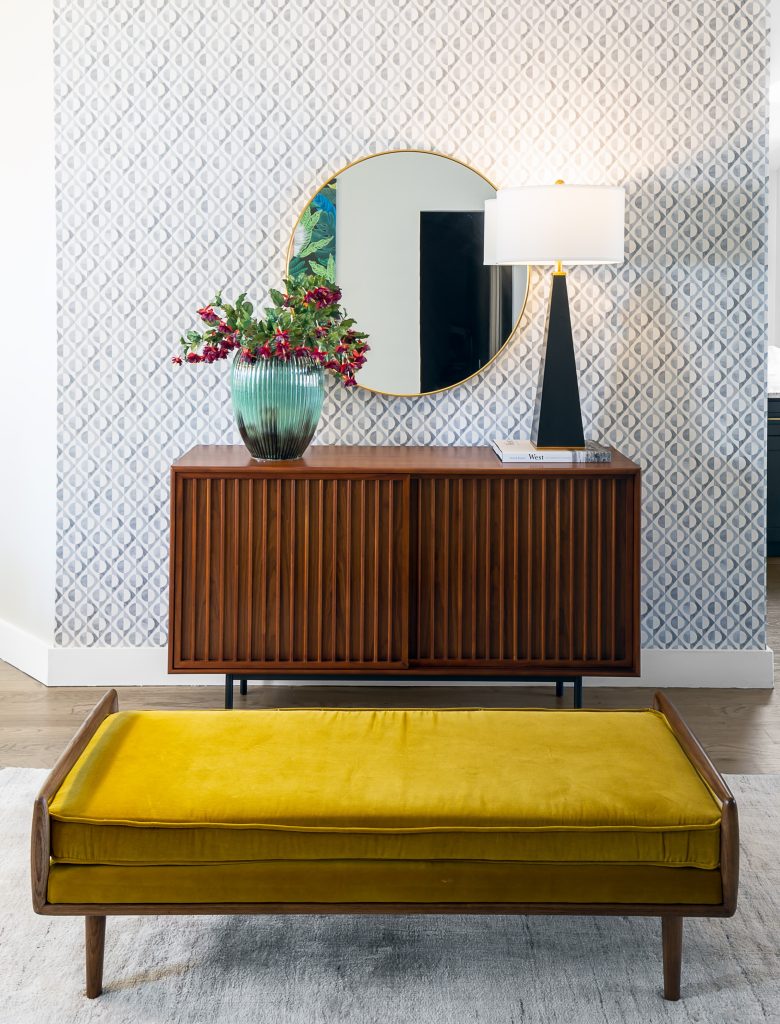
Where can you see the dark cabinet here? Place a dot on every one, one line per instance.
(396, 562)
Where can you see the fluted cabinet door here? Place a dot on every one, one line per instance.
(274, 572)
(534, 572)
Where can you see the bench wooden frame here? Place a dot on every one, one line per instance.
(671, 915)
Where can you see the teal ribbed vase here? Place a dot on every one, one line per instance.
(277, 404)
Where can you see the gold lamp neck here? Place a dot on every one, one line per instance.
(559, 271)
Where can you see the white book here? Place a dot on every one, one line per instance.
(523, 450)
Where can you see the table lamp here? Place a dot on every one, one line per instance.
(556, 224)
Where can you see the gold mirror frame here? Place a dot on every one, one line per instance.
(455, 160)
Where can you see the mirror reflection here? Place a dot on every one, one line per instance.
(403, 235)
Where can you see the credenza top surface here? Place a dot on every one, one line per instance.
(371, 460)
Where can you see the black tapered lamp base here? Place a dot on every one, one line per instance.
(557, 421)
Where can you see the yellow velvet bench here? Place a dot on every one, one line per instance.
(385, 811)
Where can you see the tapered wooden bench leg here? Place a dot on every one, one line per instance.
(95, 941)
(558, 687)
(672, 933)
(242, 687)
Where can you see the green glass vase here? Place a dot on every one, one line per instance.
(277, 404)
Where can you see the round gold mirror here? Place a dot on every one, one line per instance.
(402, 233)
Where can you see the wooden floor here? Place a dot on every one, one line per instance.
(739, 728)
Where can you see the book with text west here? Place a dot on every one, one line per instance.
(522, 450)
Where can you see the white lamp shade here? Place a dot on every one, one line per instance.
(571, 223)
(491, 234)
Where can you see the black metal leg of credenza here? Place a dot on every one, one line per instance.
(578, 692)
(558, 687)
(228, 690)
(242, 686)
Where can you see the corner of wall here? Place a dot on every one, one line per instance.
(28, 383)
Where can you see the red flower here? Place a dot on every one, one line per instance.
(224, 328)
(193, 357)
(264, 352)
(320, 331)
(322, 297)
(177, 360)
(319, 354)
(208, 315)
(302, 350)
(248, 354)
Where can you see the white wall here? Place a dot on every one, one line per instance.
(28, 369)
(377, 253)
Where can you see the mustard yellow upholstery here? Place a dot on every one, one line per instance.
(558, 791)
(389, 881)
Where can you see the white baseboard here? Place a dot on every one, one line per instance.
(148, 666)
(117, 666)
(24, 651)
(721, 669)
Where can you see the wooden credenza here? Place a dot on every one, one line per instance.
(403, 563)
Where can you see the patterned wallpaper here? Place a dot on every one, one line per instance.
(191, 132)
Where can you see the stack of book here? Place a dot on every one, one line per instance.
(526, 451)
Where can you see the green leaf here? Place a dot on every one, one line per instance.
(314, 246)
(310, 218)
(276, 297)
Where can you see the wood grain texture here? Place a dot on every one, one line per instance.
(274, 572)
(130, 909)
(94, 944)
(107, 705)
(432, 560)
(739, 728)
(535, 572)
(729, 832)
(369, 460)
(41, 826)
(672, 936)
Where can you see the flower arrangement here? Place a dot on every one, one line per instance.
(307, 320)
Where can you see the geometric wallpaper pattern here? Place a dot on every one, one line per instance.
(190, 133)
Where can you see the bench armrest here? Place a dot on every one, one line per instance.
(729, 826)
(40, 848)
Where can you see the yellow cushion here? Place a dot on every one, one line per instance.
(387, 881)
(182, 787)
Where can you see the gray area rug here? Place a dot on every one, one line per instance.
(415, 970)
